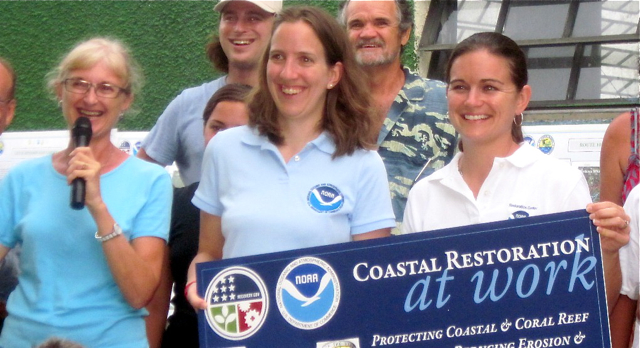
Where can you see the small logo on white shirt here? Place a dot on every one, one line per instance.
(519, 214)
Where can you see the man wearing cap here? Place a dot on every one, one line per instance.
(415, 136)
(243, 35)
(9, 265)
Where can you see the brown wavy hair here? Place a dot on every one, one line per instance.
(216, 55)
(348, 115)
(234, 92)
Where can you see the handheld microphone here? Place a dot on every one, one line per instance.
(81, 134)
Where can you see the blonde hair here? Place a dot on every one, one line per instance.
(88, 53)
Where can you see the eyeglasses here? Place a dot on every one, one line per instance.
(105, 90)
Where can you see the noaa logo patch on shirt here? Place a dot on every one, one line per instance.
(519, 214)
(237, 303)
(325, 198)
(308, 293)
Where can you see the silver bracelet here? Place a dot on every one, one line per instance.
(114, 233)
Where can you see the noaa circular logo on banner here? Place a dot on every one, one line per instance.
(1, 147)
(325, 198)
(308, 293)
(237, 303)
(546, 144)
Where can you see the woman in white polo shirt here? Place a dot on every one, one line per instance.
(496, 176)
(304, 172)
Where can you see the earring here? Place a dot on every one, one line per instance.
(60, 103)
(330, 85)
(521, 120)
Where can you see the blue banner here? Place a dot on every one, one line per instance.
(524, 283)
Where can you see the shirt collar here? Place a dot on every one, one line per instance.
(323, 142)
(524, 156)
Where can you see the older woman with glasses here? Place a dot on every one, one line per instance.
(86, 273)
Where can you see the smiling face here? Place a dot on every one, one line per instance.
(226, 114)
(483, 99)
(298, 75)
(245, 30)
(102, 112)
(374, 32)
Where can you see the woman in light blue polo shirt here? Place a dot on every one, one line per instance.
(303, 173)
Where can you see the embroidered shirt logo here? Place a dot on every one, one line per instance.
(519, 214)
(325, 198)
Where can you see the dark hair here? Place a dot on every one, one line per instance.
(347, 111)
(403, 12)
(216, 55)
(499, 45)
(12, 73)
(235, 92)
(55, 342)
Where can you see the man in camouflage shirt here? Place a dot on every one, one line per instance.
(415, 136)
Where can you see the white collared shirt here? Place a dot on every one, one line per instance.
(527, 183)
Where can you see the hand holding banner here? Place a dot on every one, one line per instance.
(534, 282)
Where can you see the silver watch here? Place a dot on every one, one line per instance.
(114, 233)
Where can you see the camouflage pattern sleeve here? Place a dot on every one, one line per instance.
(416, 138)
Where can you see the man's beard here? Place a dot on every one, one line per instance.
(368, 60)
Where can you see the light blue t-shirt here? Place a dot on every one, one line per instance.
(267, 205)
(66, 288)
(178, 133)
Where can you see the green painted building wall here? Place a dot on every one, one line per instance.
(166, 37)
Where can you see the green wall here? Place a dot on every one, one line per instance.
(166, 37)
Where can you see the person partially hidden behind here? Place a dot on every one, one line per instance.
(413, 132)
(309, 133)
(225, 109)
(243, 35)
